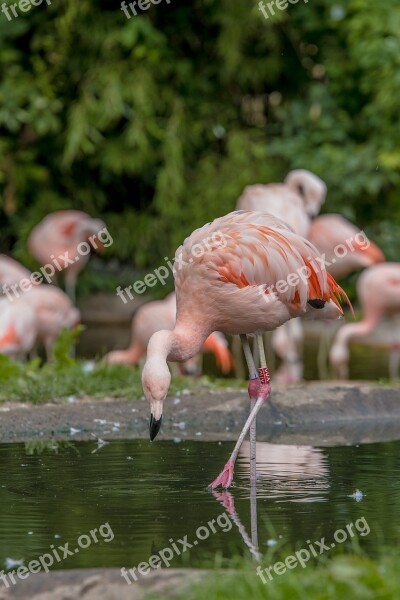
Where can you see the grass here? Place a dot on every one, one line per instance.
(65, 377)
(350, 576)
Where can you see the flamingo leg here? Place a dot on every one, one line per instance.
(259, 389)
(253, 375)
(70, 288)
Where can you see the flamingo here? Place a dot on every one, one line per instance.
(247, 285)
(38, 314)
(161, 314)
(287, 343)
(378, 290)
(295, 201)
(346, 249)
(11, 271)
(56, 239)
(18, 327)
(53, 311)
(331, 231)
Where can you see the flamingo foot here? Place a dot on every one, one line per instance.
(225, 477)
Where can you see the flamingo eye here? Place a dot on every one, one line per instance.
(317, 303)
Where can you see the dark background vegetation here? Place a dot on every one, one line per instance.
(157, 123)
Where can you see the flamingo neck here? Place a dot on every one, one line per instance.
(180, 344)
(352, 330)
(128, 356)
(295, 182)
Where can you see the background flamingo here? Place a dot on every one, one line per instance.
(233, 288)
(61, 232)
(327, 232)
(53, 311)
(11, 271)
(378, 289)
(295, 201)
(18, 327)
(161, 314)
(35, 315)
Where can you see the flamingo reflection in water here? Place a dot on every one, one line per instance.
(286, 473)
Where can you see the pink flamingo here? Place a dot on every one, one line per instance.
(378, 290)
(331, 232)
(54, 311)
(18, 328)
(161, 314)
(247, 285)
(295, 201)
(38, 314)
(345, 249)
(11, 271)
(56, 241)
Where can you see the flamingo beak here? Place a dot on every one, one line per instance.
(155, 426)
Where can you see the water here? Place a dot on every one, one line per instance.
(150, 494)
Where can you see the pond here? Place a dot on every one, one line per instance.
(147, 496)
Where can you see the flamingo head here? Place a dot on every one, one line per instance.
(95, 232)
(310, 187)
(156, 379)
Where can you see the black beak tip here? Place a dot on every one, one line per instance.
(155, 426)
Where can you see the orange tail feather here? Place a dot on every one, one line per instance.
(9, 337)
(221, 352)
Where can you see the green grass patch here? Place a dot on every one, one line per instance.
(65, 376)
(348, 576)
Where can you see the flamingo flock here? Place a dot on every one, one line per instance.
(296, 201)
(253, 284)
(277, 266)
(37, 315)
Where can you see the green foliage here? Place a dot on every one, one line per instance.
(47, 383)
(349, 576)
(64, 344)
(157, 122)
